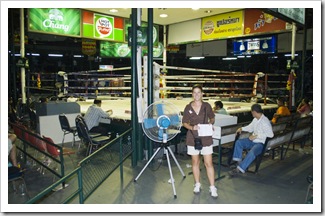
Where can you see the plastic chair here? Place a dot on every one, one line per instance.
(65, 126)
(95, 142)
(39, 144)
(55, 151)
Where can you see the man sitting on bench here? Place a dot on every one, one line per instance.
(260, 128)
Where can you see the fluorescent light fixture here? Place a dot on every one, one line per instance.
(55, 55)
(78, 56)
(163, 15)
(229, 58)
(289, 55)
(242, 47)
(240, 56)
(265, 45)
(248, 56)
(18, 54)
(195, 8)
(196, 58)
(34, 54)
(113, 10)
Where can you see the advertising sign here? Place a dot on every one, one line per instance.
(111, 49)
(297, 14)
(88, 46)
(257, 21)
(59, 21)
(142, 33)
(222, 26)
(99, 26)
(253, 46)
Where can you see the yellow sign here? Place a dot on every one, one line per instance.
(88, 46)
(222, 26)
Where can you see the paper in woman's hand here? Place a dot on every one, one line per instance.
(205, 130)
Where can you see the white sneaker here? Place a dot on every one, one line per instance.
(213, 191)
(197, 188)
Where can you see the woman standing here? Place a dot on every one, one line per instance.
(199, 112)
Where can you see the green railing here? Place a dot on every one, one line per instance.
(91, 172)
(32, 141)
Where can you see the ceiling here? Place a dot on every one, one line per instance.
(175, 15)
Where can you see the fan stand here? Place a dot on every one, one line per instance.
(167, 148)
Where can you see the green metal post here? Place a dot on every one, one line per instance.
(150, 71)
(81, 195)
(134, 116)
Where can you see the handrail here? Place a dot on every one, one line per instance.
(85, 189)
(27, 142)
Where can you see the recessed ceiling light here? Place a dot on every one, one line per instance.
(208, 11)
(195, 8)
(163, 15)
(113, 10)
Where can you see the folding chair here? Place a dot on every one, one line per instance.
(92, 135)
(65, 126)
(93, 143)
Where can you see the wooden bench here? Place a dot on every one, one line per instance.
(300, 132)
(283, 137)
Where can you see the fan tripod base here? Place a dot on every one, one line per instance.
(169, 167)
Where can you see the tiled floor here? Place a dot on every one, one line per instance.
(278, 182)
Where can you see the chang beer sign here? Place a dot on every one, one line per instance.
(104, 26)
(60, 21)
(111, 49)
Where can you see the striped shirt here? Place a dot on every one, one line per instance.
(93, 115)
(261, 127)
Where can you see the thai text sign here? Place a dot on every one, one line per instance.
(60, 21)
(222, 26)
(88, 46)
(257, 21)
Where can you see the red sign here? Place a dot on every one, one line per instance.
(257, 21)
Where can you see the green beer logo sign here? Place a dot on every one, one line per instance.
(55, 20)
(59, 21)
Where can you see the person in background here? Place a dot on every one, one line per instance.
(281, 111)
(195, 113)
(261, 129)
(304, 107)
(12, 152)
(218, 108)
(44, 100)
(93, 116)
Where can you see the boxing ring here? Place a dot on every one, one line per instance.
(237, 90)
(122, 107)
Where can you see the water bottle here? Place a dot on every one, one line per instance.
(129, 140)
(117, 135)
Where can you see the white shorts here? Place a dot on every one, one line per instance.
(205, 150)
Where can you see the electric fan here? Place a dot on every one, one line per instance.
(161, 123)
